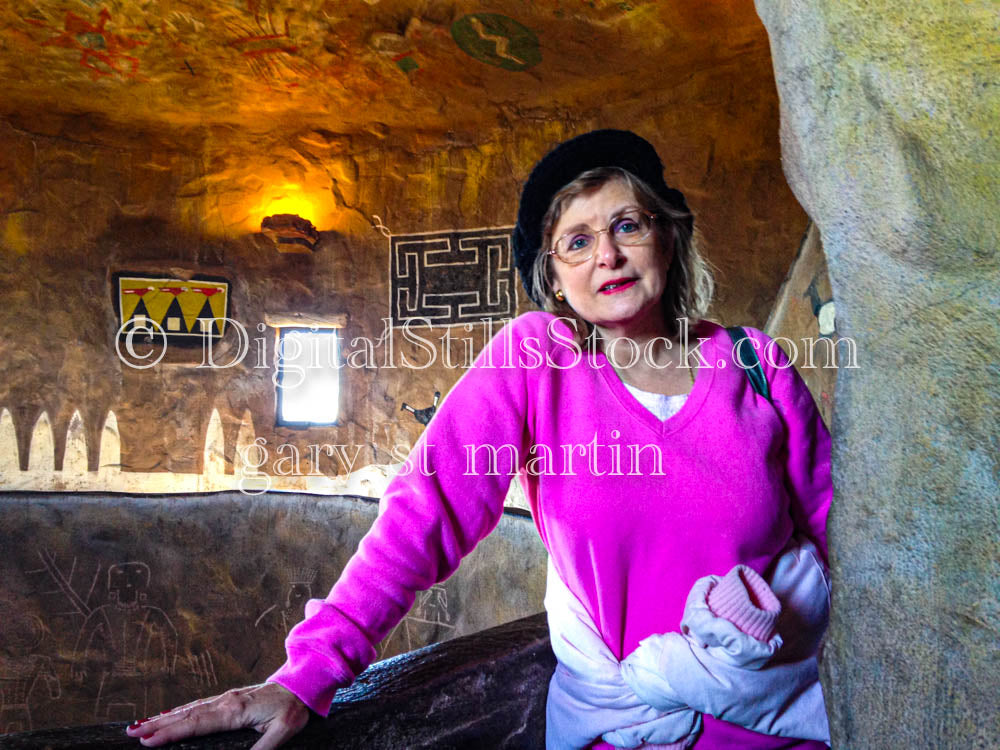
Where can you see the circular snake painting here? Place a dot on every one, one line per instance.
(497, 40)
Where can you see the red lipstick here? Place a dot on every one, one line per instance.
(616, 285)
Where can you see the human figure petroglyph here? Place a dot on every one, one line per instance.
(22, 669)
(129, 627)
(16, 687)
(429, 621)
(299, 591)
(124, 640)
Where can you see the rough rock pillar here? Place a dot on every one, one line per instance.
(890, 126)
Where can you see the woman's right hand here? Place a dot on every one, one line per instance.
(269, 708)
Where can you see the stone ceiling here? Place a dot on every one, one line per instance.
(354, 65)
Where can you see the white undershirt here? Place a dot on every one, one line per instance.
(661, 406)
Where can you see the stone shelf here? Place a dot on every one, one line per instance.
(485, 690)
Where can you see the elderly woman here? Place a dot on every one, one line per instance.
(651, 459)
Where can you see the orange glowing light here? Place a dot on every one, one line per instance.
(290, 199)
(314, 204)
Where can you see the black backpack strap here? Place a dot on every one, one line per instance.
(745, 353)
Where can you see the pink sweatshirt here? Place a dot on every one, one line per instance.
(632, 510)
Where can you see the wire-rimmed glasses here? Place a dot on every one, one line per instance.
(630, 227)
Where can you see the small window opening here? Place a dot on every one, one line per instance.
(308, 377)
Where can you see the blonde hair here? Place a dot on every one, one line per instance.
(690, 284)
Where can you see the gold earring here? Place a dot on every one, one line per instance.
(560, 296)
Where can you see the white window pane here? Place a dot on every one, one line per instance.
(309, 390)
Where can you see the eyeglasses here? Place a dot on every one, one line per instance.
(631, 227)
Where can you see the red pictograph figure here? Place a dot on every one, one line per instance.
(270, 52)
(101, 51)
(264, 44)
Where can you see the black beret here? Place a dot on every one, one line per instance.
(566, 162)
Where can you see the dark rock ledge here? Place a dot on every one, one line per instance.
(485, 690)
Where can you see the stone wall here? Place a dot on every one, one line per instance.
(119, 606)
(889, 133)
(83, 199)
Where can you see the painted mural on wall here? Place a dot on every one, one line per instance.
(223, 61)
(265, 46)
(268, 47)
(184, 311)
(497, 40)
(102, 52)
(245, 474)
(452, 277)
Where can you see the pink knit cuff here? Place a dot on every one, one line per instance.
(745, 599)
(683, 744)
